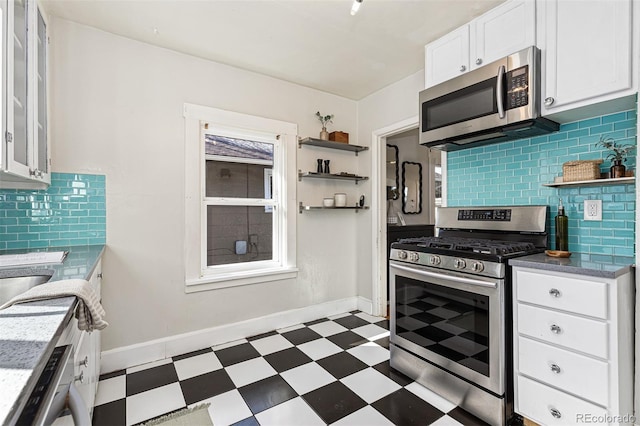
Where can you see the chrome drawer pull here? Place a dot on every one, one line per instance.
(84, 362)
(80, 377)
(555, 413)
(554, 292)
(556, 368)
(556, 329)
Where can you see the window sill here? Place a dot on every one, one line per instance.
(218, 281)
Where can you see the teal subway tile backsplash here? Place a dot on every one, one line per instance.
(476, 179)
(72, 211)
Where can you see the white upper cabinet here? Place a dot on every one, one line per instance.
(500, 32)
(447, 57)
(24, 153)
(586, 52)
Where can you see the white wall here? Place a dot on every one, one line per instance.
(386, 107)
(116, 109)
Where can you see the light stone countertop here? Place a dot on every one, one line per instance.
(595, 265)
(29, 331)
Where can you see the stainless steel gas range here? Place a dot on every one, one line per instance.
(451, 321)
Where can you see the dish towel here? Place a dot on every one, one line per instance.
(89, 311)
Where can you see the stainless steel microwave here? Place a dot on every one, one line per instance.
(497, 102)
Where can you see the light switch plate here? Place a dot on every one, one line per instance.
(592, 209)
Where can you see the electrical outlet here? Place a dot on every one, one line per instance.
(592, 209)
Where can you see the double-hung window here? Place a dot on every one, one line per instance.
(246, 203)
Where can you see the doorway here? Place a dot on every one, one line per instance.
(403, 209)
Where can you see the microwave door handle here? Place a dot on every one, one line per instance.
(499, 91)
(448, 277)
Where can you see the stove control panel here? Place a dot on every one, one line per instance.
(494, 215)
(451, 263)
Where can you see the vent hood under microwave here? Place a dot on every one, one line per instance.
(495, 103)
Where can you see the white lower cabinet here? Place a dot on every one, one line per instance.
(573, 347)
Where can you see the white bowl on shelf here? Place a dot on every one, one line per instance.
(327, 202)
(340, 199)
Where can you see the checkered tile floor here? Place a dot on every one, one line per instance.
(331, 371)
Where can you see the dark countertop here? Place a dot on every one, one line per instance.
(595, 265)
(29, 331)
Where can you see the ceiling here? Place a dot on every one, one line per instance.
(314, 43)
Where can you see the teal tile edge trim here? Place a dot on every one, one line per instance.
(512, 173)
(72, 211)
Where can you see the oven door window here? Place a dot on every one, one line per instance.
(471, 102)
(450, 322)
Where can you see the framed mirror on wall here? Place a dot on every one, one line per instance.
(411, 187)
(393, 178)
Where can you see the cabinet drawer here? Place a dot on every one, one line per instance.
(539, 403)
(578, 374)
(569, 294)
(582, 334)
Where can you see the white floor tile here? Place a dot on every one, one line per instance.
(229, 344)
(328, 328)
(446, 421)
(319, 348)
(111, 389)
(370, 385)
(250, 371)
(290, 328)
(370, 353)
(431, 397)
(294, 412)
(271, 344)
(371, 332)
(307, 377)
(333, 317)
(370, 318)
(149, 365)
(153, 403)
(227, 408)
(197, 365)
(368, 416)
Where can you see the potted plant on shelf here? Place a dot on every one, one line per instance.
(324, 119)
(618, 154)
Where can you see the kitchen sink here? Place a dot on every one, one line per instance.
(15, 285)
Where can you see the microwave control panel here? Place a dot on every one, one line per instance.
(517, 87)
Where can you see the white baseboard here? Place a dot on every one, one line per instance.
(365, 305)
(154, 350)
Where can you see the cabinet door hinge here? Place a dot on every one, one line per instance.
(8, 137)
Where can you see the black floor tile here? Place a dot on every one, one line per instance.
(142, 381)
(334, 401)
(384, 342)
(347, 339)
(236, 354)
(384, 324)
(404, 408)
(249, 421)
(301, 335)
(191, 354)
(206, 386)
(287, 359)
(263, 335)
(113, 374)
(318, 321)
(351, 322)
(392, 373)
(111, 413)
(342, 364)
(266, 393)
(465, 417)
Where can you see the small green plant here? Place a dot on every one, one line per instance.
(619, 153)
(324, 119)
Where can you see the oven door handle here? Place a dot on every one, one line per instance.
(462, 280)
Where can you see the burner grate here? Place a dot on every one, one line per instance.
(483, 246)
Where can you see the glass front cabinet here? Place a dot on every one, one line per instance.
(24, 157)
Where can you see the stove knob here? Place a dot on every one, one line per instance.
(413, 256)
(402, 254)
(434, 260)
(459, 263)
(477, 267)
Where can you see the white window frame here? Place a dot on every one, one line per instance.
(198, 275)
